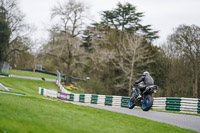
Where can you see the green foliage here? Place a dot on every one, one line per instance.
(14, 47)
(87, 41)
(20, 55)
(106, 53)
(179, 62)
(126, 18)
(4, 34)
(93, 86)
(116, 51)
(186, 40)
(28, 114)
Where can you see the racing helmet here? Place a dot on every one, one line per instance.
(145, 73)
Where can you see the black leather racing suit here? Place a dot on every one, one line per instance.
(147, 79)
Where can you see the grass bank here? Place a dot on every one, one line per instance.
(23, 114)
(26, 86)
(31, 74)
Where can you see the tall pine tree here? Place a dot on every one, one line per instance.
(87, 40)
(126, 18)
(4, 34)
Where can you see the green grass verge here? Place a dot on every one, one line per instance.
(31, 74)
(26, 86)
(6, 74)
(77, 91)
(176, 112)
(31, 113)
(25, 114)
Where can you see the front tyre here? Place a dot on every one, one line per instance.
(148, 102)
(131, 103)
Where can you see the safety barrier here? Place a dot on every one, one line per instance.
(101, 99)
(199, 106)
(63, 96)
(116, 101)
(189, 105)
(88, 98)
(49, 93)
(124, 101)
(159, 103)
(94, 99)
(71, 98)
(173, 103)
(82, 98)
(108, 100)
(76, 97)
(62, 89)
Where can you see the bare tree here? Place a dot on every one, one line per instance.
(123, 52)
(70, 15)
(134, 53)
(186, 40)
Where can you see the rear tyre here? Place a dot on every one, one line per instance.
(131, 103)
(148, 102)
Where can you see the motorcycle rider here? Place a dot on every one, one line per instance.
(148, 81)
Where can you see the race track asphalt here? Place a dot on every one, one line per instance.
(33, 78)
(180, 120)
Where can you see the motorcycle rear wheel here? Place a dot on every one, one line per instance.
(148, 102)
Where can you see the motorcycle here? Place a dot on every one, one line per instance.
(146, 101)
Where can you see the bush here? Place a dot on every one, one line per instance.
(93, 86)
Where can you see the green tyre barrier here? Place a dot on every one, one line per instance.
(124, 101)
(173, 103)
(82, 98)
(108, 100)
(94, 99)
(71, 98)
(198, 110)
(42, 91)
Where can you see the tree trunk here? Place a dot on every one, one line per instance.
(130, 89)
(68, 76)
(131, 77)
(195, 85)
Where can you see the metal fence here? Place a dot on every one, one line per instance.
(4, 68)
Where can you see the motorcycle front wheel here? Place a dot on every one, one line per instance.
(131, 103)
(148, 102)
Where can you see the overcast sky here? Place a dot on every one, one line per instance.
(163, 15)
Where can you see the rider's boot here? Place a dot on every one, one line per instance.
(139, 93)
(139, 96)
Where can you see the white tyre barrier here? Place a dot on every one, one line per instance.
(101, 99)
(76, 97)
(159, 103)
(189, 105)
(88, 98)
(116, 101)
(51, 93)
